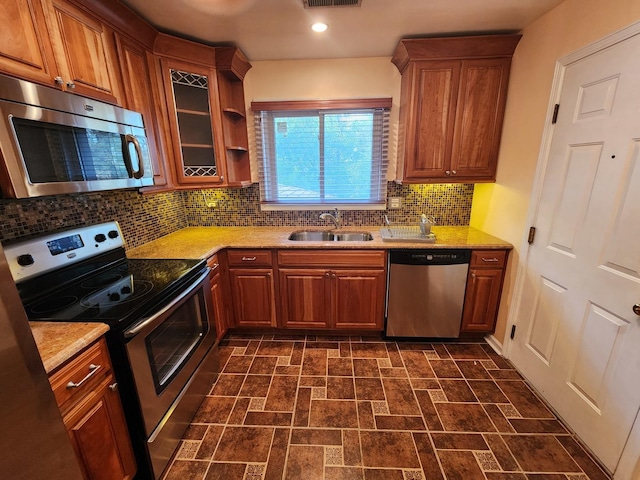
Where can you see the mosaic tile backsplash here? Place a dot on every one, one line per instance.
(144, 218)
(449, 204)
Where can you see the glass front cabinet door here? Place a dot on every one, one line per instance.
(194, 116)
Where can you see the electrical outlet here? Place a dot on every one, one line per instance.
(394, 203)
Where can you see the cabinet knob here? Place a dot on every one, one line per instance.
(326, 274)
(113, 387)
(636, 309)
(454, 172)
(448, 172)
(59, 81)
(71, 85)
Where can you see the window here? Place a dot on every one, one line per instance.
(322, 152)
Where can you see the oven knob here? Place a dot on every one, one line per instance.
(25, 260)
(114, 297)
(125, 290)
(100, 238)
(113, 234)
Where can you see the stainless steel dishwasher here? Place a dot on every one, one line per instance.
(425, 293)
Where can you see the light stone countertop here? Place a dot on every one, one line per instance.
(59, 341)
(203, 242)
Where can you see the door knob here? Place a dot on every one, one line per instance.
(636, 309)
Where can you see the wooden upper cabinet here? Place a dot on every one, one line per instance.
(25, 49)
(140, 95)
(84, 50)
(204, 101)
(195, 123)
(452, 102)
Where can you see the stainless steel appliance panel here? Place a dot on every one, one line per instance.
(53, 142)
(33, 439)
(424, 298)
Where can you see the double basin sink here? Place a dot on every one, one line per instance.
(327, 236)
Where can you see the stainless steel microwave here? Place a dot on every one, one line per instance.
(54, 142)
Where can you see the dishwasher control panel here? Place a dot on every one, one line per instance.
(430, 257)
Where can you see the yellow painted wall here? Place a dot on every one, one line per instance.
(501, 209)
(324, 79)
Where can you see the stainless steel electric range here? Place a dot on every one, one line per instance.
(162, 334)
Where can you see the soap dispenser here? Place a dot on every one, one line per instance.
(425, 225)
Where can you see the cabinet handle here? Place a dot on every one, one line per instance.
(93, 369)
(490, 260)
(248, 259)
(113, 387)
(636, 309)
(214, 267)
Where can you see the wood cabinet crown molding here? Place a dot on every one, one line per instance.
(477, 46)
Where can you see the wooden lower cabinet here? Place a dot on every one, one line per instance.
(305, 300)
(252, 285)
(88, 398)
(358, 299)
(218, 296)
(332, 289)
(484, 287)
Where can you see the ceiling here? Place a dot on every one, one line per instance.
(280, 29)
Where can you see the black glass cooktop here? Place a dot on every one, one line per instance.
(114, 292)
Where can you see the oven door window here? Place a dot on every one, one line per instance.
(171, 344)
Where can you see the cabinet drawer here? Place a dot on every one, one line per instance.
(488, 258)
(249, 258)
(213, 263)
(78, 376)
(331, 258)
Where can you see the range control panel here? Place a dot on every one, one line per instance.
(50, 252)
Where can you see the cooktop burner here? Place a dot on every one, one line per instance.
(112, 295)
(83, 274)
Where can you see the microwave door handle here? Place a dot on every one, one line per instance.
(128, 138)
(133, 331)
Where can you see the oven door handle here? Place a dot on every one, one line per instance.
(133, 331)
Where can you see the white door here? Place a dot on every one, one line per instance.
(577, 338)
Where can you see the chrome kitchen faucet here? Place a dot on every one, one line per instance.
(335, 217)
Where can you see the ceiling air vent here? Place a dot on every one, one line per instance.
(331, 3)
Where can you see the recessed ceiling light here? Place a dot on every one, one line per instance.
(319, 27)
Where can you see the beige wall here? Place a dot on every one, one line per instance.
(321, 80)
(501, 208)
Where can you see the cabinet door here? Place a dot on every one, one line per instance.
(85, 51)
(25, 48)
(480, 110)
(219, 304)
(99, 434)
(430, 124)
(305, 298)
(139, 96)
(481, 300)
(358, 299)
(253, 298)
(191, 93)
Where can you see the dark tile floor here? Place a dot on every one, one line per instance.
(347, 408)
